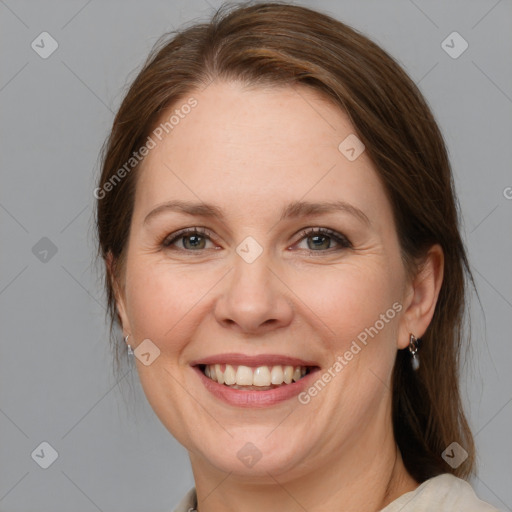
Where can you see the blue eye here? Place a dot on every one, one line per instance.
(191, 239)
(196, 239)
(322, 238)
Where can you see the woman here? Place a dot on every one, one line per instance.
(278, 222)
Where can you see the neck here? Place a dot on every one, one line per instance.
(368, 476)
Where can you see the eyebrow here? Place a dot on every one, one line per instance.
(293, 210)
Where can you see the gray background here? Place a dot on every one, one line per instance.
(56, 374)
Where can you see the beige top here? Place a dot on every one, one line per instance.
(443, 493)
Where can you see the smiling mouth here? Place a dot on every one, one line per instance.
(261, 378)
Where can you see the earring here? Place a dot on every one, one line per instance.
(413, 349)
(130, 351)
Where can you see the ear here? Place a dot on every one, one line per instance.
(118, 293)
(421, 295)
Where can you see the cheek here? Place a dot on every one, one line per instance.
(160, 300)
(350, 297)
(360, 304)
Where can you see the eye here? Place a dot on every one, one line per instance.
(321, 239)
(318, 239)
(194, 239)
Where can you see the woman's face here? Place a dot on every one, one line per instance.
(258, 172)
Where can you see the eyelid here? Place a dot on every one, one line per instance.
(173, 237)
(339, 238)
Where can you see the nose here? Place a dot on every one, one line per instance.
(254, 299)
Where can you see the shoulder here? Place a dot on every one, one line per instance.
(188, 503)
(446, 493)
(442, 493)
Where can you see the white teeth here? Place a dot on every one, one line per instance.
(220, 374)
(229, 375)
(297, 374)
(244, 376)
(276, 375)
(262, 376)
(288, 374)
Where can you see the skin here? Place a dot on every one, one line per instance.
(251, 151)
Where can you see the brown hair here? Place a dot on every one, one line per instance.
(279, 44)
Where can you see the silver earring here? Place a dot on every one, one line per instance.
(413, 349)
(130, 351)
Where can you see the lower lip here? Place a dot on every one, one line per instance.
(255, 399)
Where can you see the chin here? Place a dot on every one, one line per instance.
(255, 455)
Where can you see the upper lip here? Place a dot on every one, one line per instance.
(257, 360)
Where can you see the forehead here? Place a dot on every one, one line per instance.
(255, 148)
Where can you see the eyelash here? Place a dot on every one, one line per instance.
(342, 240)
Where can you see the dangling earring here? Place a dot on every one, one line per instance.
(413, 349)
(130, 351)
